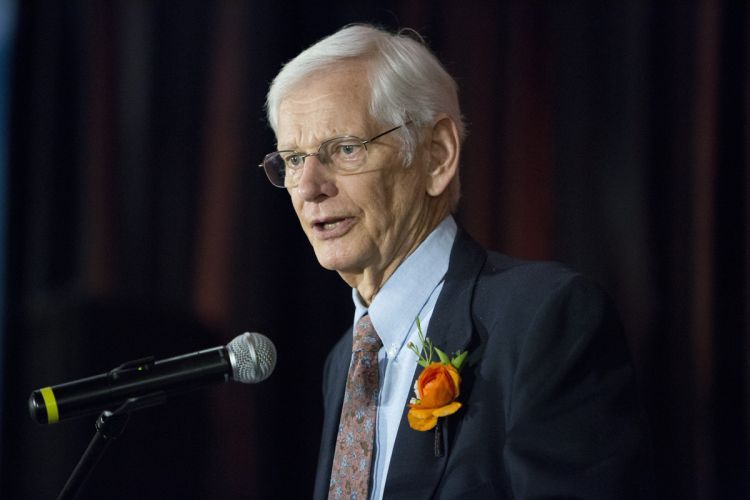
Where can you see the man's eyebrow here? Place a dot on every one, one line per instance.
(285, 148)
(297, 149)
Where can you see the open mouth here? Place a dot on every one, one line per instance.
(333, 227)
(328, 225)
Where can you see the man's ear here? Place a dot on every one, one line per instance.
(445, 147)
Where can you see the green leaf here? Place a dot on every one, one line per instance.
(422, 362)
(443, 357)
(458, 360)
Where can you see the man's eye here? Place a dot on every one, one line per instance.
(293, 160)
(348, 149)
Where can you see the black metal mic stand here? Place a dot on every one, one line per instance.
(109, 426)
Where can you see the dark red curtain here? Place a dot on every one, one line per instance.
(612, 136)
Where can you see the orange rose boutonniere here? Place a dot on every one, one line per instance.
(437, 387)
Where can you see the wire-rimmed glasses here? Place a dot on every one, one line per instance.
(344, 155)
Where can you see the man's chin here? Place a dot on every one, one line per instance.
(334, 266)
(342, 264)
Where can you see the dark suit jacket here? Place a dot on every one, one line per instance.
(549, 401)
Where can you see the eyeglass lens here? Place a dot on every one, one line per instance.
(344, 155)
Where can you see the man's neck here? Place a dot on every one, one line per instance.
(369, 282)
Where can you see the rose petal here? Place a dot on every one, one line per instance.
(419, 423)
(438, 385)
(446, 410)
(421, 412)
(456, 380)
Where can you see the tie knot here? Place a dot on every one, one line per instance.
(365, 337)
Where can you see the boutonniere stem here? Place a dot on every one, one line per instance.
(439, 452)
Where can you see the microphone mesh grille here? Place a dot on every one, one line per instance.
(254, 357)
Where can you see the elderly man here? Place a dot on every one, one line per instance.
(525, 387)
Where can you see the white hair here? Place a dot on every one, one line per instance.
(407, 81)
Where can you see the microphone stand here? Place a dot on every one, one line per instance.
(109, 426)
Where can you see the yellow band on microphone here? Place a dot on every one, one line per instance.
(51, 404)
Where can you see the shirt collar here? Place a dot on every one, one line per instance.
(399, 301)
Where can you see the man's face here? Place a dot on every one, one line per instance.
(361, 225)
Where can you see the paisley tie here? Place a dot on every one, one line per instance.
(350, 475)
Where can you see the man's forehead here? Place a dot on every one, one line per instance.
(305, 134)
(301, 103)
(338, 82)
(330, 105)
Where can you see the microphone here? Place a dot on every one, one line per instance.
(249, 358)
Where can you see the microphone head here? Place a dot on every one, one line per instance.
(253, 357)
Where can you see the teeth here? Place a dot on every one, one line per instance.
(330, 225)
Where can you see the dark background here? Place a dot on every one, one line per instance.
(611, 136)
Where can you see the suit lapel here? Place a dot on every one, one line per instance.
(415, 471)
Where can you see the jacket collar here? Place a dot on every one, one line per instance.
(415, 471)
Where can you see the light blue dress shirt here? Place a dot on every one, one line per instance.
(411, 291)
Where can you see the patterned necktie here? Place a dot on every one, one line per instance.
(350, 475)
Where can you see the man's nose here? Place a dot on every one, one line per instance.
(316, 180)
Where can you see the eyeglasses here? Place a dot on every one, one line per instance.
(344, 155)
